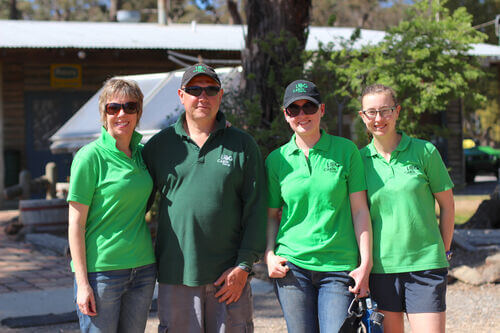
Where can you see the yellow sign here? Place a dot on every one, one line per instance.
(65, 76)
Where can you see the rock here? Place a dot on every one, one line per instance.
(487, 216)
(13, 227)
(491, 273)
(468, 275)
(53, 243)
(493, 259)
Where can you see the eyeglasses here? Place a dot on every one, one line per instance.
(384, 112)
(293, 110)
(114, 108)
(196, 90)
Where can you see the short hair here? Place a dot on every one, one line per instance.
(120, 88)
(378, 88)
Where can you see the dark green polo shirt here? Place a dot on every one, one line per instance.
(212, 202)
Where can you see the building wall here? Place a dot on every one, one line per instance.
(26, 75)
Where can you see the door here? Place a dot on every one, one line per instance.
(46, 112)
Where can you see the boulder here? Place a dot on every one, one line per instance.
(468, 275)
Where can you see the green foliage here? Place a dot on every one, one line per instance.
(61, 10)
(482, 11)
(246, 112)
(482, 122)
(335, 68)
(425, 60)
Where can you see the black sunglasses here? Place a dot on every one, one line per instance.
(293, 110)
(196, 90)
(114, 108)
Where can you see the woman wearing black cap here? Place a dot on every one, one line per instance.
(319, 254)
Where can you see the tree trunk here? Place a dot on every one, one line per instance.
(114, 6)
(235, 17)
(265, 17)
(13, 13)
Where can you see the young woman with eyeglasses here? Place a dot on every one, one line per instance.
(410, 249)
(110, 243)
(319, 253)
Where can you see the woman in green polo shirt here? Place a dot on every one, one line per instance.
(319, 253)
(404, 177)
(111, 248)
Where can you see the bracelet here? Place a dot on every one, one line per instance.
(449, 254)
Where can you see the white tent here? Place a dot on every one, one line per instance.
(161, 108)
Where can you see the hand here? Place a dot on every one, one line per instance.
(233, 281)
(361, 278)
(276, 265)
(86, 301)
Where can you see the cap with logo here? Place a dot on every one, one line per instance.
(301, 89)
(199, 69)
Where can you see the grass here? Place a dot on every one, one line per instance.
(466, 206)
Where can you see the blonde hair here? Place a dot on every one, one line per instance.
(378, 88)
(120, 88)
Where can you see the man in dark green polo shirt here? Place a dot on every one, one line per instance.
(212, 215)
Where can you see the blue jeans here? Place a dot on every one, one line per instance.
(123, 298)
(313, 301)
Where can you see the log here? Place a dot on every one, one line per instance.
(44, 215)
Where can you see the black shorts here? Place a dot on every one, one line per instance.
(410, 292)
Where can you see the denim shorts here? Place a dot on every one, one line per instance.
(123, 298)
(410, 292)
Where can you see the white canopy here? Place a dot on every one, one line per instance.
(161, 108)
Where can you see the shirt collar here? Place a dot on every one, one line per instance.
(109, 142)
(323, 144)
(403, 145)
(220, 124)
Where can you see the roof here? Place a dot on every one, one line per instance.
(112, 35)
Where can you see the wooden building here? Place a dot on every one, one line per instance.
(49, 69)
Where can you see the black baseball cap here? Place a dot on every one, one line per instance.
(199, 69)
(301, 89)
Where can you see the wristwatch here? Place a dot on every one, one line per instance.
(449, 254)
(245, 268)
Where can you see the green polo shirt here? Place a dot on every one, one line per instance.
(406, 234)
(212, 202)
(316, 230)
(116, 189)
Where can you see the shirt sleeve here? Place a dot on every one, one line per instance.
(83, 178)
(274, 199)
(439, 178)
(356, 178)
(254, 214)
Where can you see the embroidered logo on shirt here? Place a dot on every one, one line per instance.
(411, 169)
(332, 167)
(225, 160)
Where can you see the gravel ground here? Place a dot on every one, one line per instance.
(470, 309)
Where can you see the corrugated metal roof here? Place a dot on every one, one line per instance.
(110, 35)
(107, 35)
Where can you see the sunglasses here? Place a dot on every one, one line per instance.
(114, 108)
(196, 90)
(293, 110)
